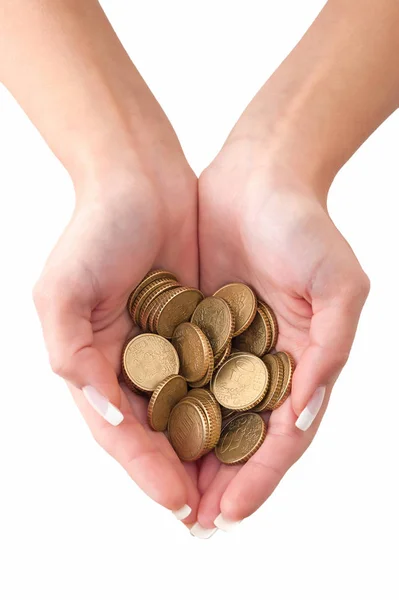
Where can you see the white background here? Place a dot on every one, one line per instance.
(72, 525)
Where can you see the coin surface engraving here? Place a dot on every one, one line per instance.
(215, 318)
(242, 302)
(241, 437)
(148, 359)
(178, 307)
(241, 382)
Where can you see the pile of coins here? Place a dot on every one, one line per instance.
(208, 365)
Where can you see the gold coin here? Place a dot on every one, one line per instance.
(143, 312)
(177, 308)
(257, 338)
(241, 382)
(273, 323)
(163, 399)
(194, 350)
(241, 437)
(276, 372)
(242, 302)
(224, 355)
(188, 430)
(148, 359)
(214, 317)
(149, 278)
(288, 368)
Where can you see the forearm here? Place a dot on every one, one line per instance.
(67, 69)
(334, 89)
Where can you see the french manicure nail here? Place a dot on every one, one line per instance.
(102, 405)
(182, 513)
(200, 532)
(225, 524)
(310, 412)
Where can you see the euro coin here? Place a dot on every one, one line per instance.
(148, 359)
(241, 437)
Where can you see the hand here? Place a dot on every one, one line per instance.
(123, 225)
(262, 225)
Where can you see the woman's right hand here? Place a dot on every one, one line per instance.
(123, 225)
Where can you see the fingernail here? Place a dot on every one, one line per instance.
(102, 405)
(182, 513)
(200, 532)
(225, 524)
(309, 413)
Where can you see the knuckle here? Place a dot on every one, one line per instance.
(357, 289)
(99, 435)
(339, 360)
(364, 285)
(59, 364)
(39, 295)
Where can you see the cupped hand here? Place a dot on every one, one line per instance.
(123, 225)
(263, 226)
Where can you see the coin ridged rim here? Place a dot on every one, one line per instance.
(220, 359)
(250, 406)
(147, 279)
(142, 296)
(205, 428)
(208, 399)
(272, 395)
(288, 367)
(135, 338)
(174, 294)
(155, 395)
(213, 423)
(270, 330)
(252, 315)
(206, 348)
(273, 322)
(207, 378)
(229, 337)
(144, 310)
(255, 448)
(150, 322)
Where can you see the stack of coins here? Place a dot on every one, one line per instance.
(209, 365)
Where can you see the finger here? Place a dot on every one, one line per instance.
(237, 495)
(146, 456)
(336, 311)
(208, 470)
(64, 304)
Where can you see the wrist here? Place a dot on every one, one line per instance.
(271, 165)
(282, 141)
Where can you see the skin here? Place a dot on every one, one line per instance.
(262, 210)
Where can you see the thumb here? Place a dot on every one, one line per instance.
(64, 304)
(338, 294)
